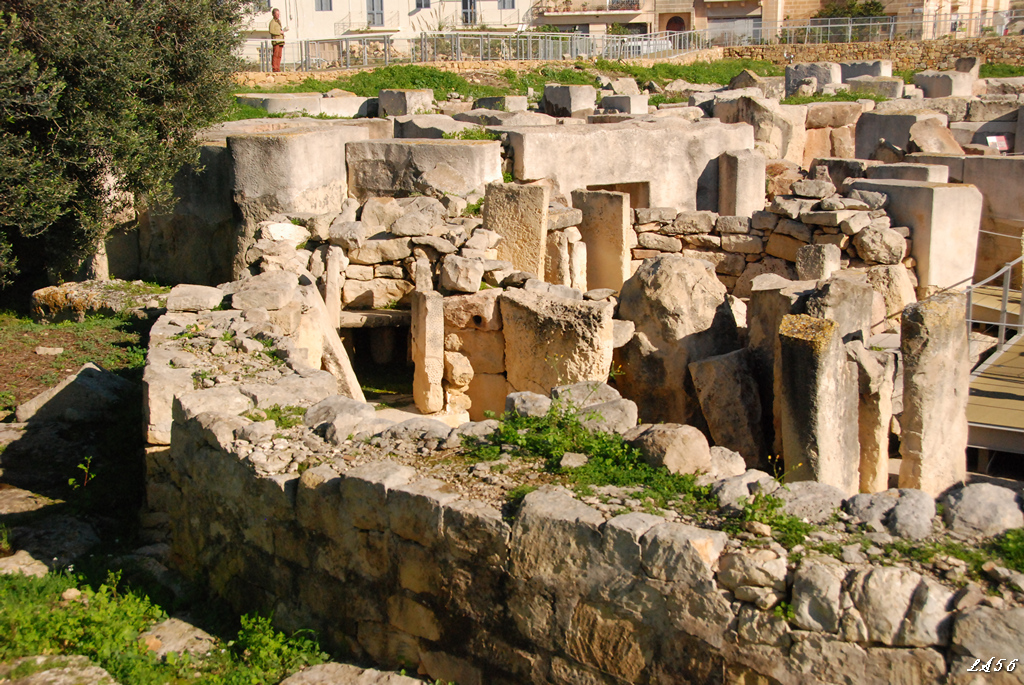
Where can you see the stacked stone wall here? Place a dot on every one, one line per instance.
(905, 54)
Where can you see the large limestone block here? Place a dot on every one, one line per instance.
(429, 126)
(942, 84)
(566, 101)
(271, 290)
(487, 392)
(660, 164)
(819, 404)
(825, 73)
(897, 290)
(944, 220)
(886, 86)
(394, 167)
(606, 229)
(833, 114)
(334, 357)
(554, 534)
(869, 67)
(160, 384)
(519, 214)
(933, 137)
(730, 401)
(551, 341)
(894, 127)
(88, 393)
(936, 379)
(817, 145)
(681, 314)
(399, 102)
(427, 333)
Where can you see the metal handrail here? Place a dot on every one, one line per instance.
(1006, 273)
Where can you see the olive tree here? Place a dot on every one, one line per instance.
(100, 101)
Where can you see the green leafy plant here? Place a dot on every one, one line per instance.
(283, 417)
(474, 208)
(5, 541)
(85, 466)
(788, 530)
(471, 134)
(507, 177)
(785, 611)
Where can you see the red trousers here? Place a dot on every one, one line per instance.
(275, 62)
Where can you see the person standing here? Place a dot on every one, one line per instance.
(276, 40)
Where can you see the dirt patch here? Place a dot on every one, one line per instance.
(115, 344)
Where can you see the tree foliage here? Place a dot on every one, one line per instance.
(852, 8)
(100, 101)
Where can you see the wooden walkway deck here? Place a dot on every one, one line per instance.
(995, 407)
(987, 302)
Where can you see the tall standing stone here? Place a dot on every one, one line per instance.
(936, 383)
(605, 229)
(427, 331)
(729, 398)
(819, 404)
(771, 298)
(334, 279)
(681, 314)
(741, 175)
(519, 214)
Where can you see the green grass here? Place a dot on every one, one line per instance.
(611, 460)
(720, 71)
(367, 83)
(842, 96)
(999, 70)
(660, 99)
(471, 134)
(788, 530)
(105, 622)
(906, 74)
(283, 417)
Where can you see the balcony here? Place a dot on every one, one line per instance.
(673, 6)
(590, 7)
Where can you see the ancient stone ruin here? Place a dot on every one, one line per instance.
(821, 323)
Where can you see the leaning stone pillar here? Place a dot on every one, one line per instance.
(427, 330)
(818, 388)
(936, 382)
(877, 375)
(334, 279)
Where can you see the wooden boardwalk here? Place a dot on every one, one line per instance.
(995, 408)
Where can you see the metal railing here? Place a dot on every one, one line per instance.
(1001, 285)
(588, 6)
(434, 46)
(363, 50)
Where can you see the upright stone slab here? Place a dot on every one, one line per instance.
(427, 331)
(819, 404)
(741, 175)
(519, 214)
(729, 399)
(894, 127)
(942, 84)
(824, 72)
(567, 101)
(876, 376)
(606, 229)
(334, 278)
(936, 382)
(771, 298)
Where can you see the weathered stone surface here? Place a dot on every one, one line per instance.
(346, 674)
(758, 568)
(566, 101)
(730, 401)
(175, 635)
(819, 404)
(816, 596)
(983, 633)
(880, 246)
(817, 262)
(576, 336)
(678, 448)
(614, 416)
(677, 552)
(271, 290)
(427, 337)
(519, 214)
(681, 315)
(555, 534)
(935, 385)
(613, 644)
(811, 500)
(527, 404)
(55, 670)
(460, 274)
(983, 509)
(193, 298)
(882, 597)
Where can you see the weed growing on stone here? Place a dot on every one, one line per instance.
(474, 208)
(611, 461)
(283, 417)
(5, 541)
(471, 134)
(788, 530)
(842, 96)
(1009, 546)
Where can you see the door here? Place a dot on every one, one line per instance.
(375, 12)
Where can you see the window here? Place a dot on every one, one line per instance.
(506, 4)
(424, 4)
(375, 12)
(468, 11)
(322, 5)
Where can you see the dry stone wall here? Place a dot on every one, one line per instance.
(409, 571)
(905, 54)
